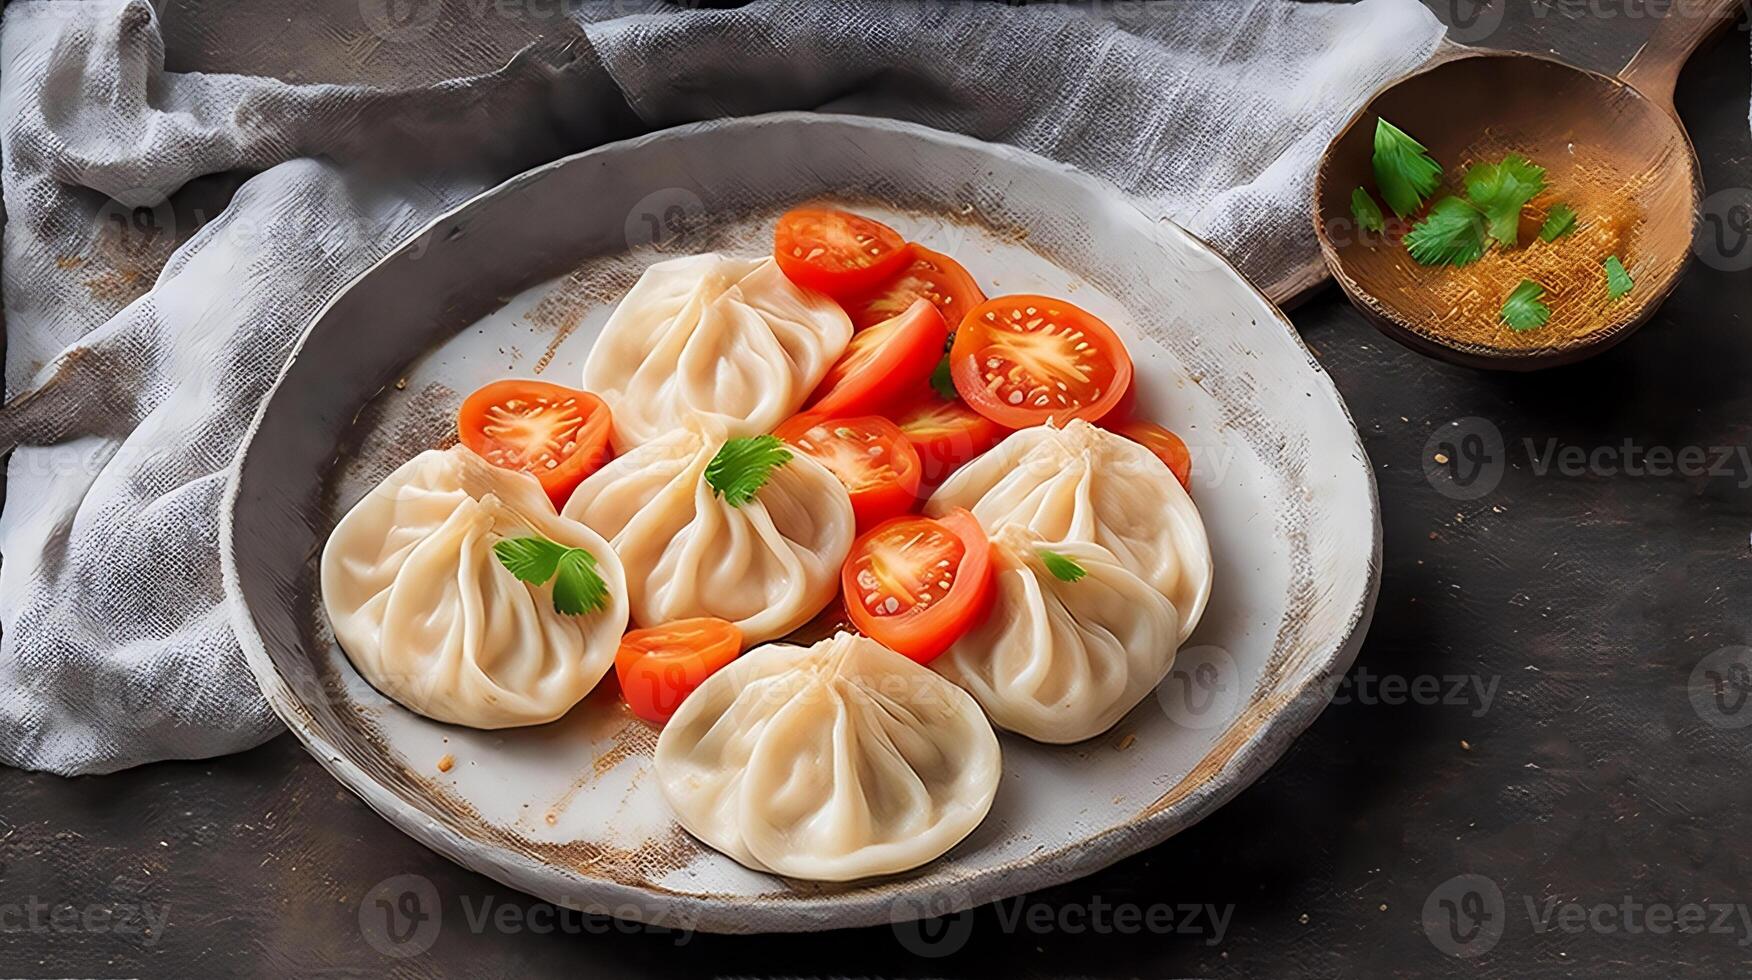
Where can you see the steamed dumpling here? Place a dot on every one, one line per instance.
(768, 566)
(1083, 483)
(731, 340)
(1062, 661)
(831, 762)
(428, 614)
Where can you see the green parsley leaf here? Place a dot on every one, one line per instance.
(1522, 310)
(1559, 221)
(1366, 212)
(1451, 234)
(1062, 568)
(578, 588)
(744, 465)
(1501, 190)
(1618, 281)
(533, 560)
(943, 382)
(1404, 172)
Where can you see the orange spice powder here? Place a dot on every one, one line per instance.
(1608, 220)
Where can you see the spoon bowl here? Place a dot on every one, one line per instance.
(1613, 149)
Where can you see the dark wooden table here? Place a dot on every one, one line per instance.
(1528, 774)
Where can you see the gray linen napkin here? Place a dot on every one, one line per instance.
(169, 234)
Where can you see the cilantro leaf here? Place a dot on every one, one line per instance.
(1404, 172)
(1522, 310)
(1618, 281)
(742, 466)
(1501, 190)
(943, 382)
(1451, 234)
(1559, 221)
(533, 560)
(578, 588)
(1062, 568)
(1366, 212)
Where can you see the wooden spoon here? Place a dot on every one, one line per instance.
(1613, 149)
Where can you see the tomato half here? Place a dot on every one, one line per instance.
(930, 275)
(1125, 408)
(915, 584)
(837, 252)
(1167, 446)
(947, 435)
(559, 435)
(879, 467)
(659, 667)
(1021, 360)
(883, 364)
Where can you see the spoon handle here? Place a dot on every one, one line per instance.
(1654, 69)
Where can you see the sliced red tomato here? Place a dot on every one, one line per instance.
(659, 667)
(883, 364)
(930, 275)
(840, 253)
(557, 434)
(947, 435)
(1021, 360)
(1126, 407)
(879, 467)
(915, 584)
(1167, 446)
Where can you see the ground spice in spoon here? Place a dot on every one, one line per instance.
(1567, 274)
(1570, 267)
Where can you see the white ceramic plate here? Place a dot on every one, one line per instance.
(518, 282)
